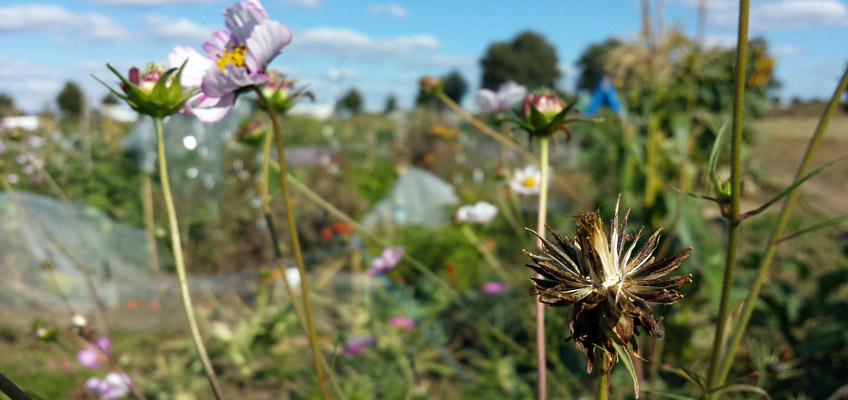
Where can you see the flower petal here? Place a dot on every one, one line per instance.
(217, 83)
(510, 94)
(209, 109)
(242, 17)
(487, 100)
(221, 40)
(89, 357)
(265, 42)
(195, 69)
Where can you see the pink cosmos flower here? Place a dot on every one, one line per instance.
(386, 261)
(495, 287)
(12, 178)
(358, 345)
(404, 323)
(115, 386)
(508, 95)
(95, 354)
(234, 59)
(547, 103)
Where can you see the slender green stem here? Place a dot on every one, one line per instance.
(266, 199)
(604, 371)
(771, 245)
(735, 189)
(180, 264)
(486, 253)
(10, 389)
(540, 308)
(295, 242)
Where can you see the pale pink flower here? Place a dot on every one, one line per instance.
(115, 386)
(95, 354)
(508, 95)
(495, 287)
(480, 213)
(234, 59)
(403, 322)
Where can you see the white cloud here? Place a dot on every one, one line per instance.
(149, 3)
(304, 3)
(348, 43)
(395, 10)
(30, 85)
(57, 20)
(772, 15)
(177, 29)
(341, 73)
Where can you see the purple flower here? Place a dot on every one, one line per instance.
(508, 95)
(495, 287)
(358, 345)
(480, 213)
(95, 354)
(28, 169)
(115, 386)
(234, 59)
(386, 261)
(404, 323)
(37, 178)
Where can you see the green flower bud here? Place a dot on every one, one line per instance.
(158, 93)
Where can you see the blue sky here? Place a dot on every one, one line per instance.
(383, 47)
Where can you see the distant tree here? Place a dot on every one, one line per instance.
(7, 106)
(70, 99)
(391, 104)
(592, 63)
(528, 59)
(455, 86)
(109, 100)
(350, 103)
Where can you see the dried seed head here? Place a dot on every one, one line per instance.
(607, 281)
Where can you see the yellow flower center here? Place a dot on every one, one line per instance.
(529, 182)
(233, 55)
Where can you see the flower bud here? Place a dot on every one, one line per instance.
(156, 93)
(430, 84)
(543, 114)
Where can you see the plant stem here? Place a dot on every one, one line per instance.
(603, 373)
(486, 253)
(10, 389)
(735, 189)
(785, 211)
(147, 203)
(503, 140)
(540, 308)
(295, 242)
(179, 263)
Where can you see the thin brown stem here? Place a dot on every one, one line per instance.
(295, 242)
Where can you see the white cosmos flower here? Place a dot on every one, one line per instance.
(480, 213)
(527, 180)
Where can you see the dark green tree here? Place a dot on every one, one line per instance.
(528, 59)
(391, 104)
(592, 63)
(70, 99)
(7, 106)
(350, 103)
(455, 86)
(109, 100)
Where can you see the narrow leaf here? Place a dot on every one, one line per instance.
(825, 224)
(624, 355)
(790, 188)
(115, 92)
(669, 395)
(741, 387)
(722, 132)
(695, 195)
(694, 380)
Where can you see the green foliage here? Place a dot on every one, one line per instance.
(528, 60)
(372, 183)
(391, 104)
(109, 100)
(454, 86)
(7, 106)
(70, 99)
(350, 103)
